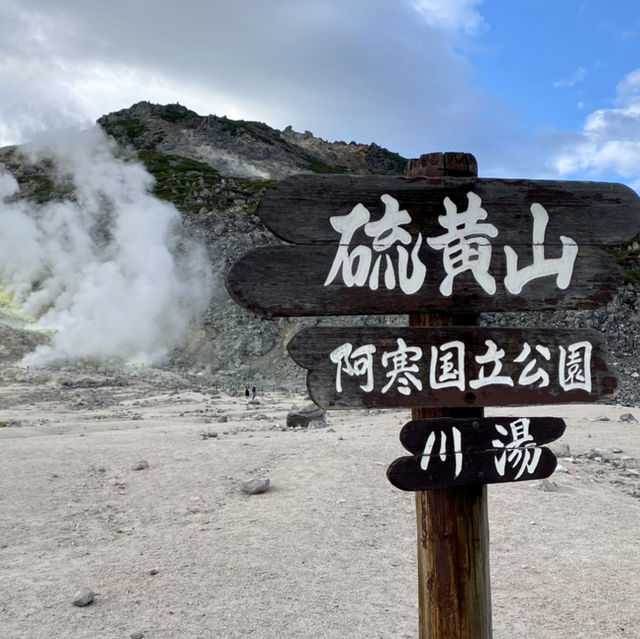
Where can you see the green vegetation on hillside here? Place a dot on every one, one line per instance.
(133, 128)
(191, 185)
(43, 188)
(628, 256)
(174, 113)
(244, 127)
(318, 166)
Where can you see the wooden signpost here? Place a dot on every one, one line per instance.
(443, 245)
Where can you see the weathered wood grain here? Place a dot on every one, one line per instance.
(311, 348)
(406, 473)
(290, 281)
(452, 524)
(298, 209)
(477, 434)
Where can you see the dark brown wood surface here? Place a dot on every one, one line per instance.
(406, 473)
(289, 281)
(477, 434)
(298, 208)
(452, 524)
(311, 348)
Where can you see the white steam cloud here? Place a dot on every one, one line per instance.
(105, 269)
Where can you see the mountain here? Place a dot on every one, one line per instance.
(214, 170)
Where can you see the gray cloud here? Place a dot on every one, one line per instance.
(367, 70)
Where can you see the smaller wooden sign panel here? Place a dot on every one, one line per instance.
(458, 451)
(484, 467)
(394, 367)
(479, 433)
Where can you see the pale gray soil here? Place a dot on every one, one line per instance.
(179, 551)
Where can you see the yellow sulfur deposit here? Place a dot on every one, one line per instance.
(9, 306)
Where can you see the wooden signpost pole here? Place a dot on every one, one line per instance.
(454, 593)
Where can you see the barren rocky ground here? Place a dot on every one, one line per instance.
(129, 483)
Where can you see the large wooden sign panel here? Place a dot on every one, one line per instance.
(382, 244)
(451, 366)
(292, 281)
(300, 208)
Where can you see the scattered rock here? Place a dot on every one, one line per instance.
(317, 423)
(143, 464)
(256, 486)
(302, 417)
(223, 419)
(136, 635)
(212, 434)
(600, 453)
(548, 486)
(559, 449)
(83, 597)
(628, 417)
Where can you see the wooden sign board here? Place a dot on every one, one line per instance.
(483, 467)
(299, 209)
(380, 244)
(457, 451)
(395, 367)
(477, 434)
(289, 281)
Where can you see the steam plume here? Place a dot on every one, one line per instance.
(105, 269)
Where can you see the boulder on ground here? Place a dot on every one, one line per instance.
(302, 417)
(256, 486)
(83, 597)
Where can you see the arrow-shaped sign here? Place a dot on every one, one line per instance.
(457, 451)
(478, 434)
(484, 467)
(393, 367)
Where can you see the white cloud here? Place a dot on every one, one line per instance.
(610, 139)
(576, 77)
(452, 14)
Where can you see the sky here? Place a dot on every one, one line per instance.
(533, 88)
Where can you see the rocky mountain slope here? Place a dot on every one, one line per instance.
(214, 170)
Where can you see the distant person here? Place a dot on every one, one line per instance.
(253, 392)
(246, 392)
